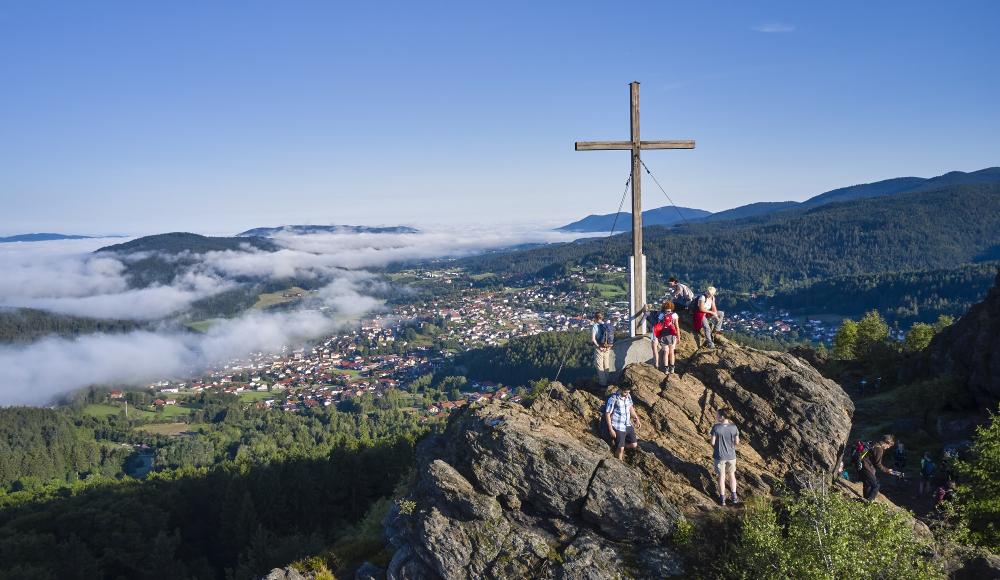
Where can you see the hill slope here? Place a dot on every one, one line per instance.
(970, 349)
(661, 216)
(177, 242)
(912, 231)
(750, 210)
(42, 237)
(865, 190)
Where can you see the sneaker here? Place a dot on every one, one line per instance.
(672, 371)
(736, 500)
(722, 501)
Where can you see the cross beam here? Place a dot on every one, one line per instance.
(637, 277)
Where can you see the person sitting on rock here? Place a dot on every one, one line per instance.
(621, 420)
(667, 333)
(707, 317)
(602, 335)
(871, 464)
(680, 294)
(725, 438)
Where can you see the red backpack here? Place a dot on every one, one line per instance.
(665, 326)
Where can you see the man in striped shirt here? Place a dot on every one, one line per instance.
(619, 414)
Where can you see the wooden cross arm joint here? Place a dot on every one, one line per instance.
(626, 145)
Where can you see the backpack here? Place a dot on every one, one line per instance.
(665, 326)
(861, 449)
(605, 334)
(927, 468)
(693, 307)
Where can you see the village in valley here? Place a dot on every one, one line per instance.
(402, 347)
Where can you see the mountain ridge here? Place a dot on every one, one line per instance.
(177, 242)
(306, 229)
(920, 230)
(882, 188)
(666, 215)
(48, 237)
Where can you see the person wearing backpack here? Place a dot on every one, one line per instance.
(927, 469)
(652, 318)
(870, 463)
(666, 333)
(602, 335)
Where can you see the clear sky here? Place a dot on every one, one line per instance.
(139, 117)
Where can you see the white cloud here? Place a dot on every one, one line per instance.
(67, 277)
(771, 27)
(40, 372)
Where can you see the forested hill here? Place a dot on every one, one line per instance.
(177, 242)
(661, 216)
(910, 231)
(160, 258)
(28, 324)
(905, 297)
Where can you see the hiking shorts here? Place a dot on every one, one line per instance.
(725, 466)
(668, 340)
(627, 436)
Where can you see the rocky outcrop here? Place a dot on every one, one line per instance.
(287, 573)
(970, 349)
(513, 492)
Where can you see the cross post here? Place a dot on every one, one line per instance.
(637, 263)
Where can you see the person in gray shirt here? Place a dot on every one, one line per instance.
(725, 438)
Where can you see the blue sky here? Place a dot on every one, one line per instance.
(139, 117)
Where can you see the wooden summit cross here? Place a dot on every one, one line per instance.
(637, 263)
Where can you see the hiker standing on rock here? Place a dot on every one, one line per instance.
(652, 318)
(666, 334)
(871, 463)
(725, 438)
(602, 335)
(707, 317)
(680, 294)
(619, 414)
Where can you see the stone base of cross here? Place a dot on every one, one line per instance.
(637, 267)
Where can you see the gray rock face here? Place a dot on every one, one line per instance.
(285, 574)
(514, 492)
(970, 349)
(980, 568)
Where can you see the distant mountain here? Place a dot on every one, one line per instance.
(662, 216)
(899, 185)
(905, 185)
(865, 190)
(906, 231)
(42, 237)
(299, 230)
(988, 175)
(177, 242)
(751, 210)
